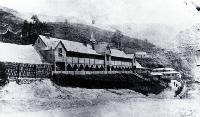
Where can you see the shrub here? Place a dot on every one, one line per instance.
(3, 75)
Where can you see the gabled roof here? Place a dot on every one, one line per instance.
(119, 53)
(102, 48)
(69, 45)
(51, 42)
(19, 53)
(7, 31)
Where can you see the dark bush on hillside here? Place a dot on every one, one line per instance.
(3, 75)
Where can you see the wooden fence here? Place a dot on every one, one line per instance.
(21, 70)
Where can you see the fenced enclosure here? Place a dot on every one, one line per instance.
(22, 70)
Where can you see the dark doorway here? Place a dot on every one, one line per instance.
(87, 68)
(108, 68)
(92, 68)
(60, 66)
(97, 68)
(112, 68)
(75, 67)
(102, 68)
(69, 67)
(81, 68)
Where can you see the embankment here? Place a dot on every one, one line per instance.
(109, 81)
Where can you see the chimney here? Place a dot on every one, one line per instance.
(92, 41)
(92, 38)
(47, 35)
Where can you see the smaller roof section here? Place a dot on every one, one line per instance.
(49, 42)
(163, 69)
(131, 55)
(171, 72)
(119, 53)
(141, 53)
(156, 74)
(138, 66)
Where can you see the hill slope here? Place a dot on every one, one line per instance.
(8, 16)
(74, 31)
(82, 32)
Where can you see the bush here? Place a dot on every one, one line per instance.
(3, 75)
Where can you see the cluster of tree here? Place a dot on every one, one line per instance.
(80, 33)
(31, 30)
(116, 39)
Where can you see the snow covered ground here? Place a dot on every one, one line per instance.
(19, 53)
(45, 99)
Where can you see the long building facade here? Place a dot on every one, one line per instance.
(67, 55)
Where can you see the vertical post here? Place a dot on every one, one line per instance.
(18, 71)
(105, 62)
(55, 66)
(35, 68)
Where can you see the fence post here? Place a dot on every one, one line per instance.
(35, 68)
(18, 71)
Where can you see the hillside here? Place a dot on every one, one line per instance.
(78, 32)
(74, 31)
(189, 43)
(8, 16)
(81, 33)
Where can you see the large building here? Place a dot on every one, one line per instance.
(67, 55)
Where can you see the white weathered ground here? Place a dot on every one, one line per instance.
(44, 99)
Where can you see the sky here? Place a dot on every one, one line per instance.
(112, 11)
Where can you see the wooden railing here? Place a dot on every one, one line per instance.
(90, 72)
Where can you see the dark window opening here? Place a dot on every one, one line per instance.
(60, 52)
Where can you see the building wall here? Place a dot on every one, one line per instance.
(48, 55)
(56, 53)
(52, 56)
(122, 63)
(39, 44)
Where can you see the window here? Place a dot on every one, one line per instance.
(38, 40)
(60, 52)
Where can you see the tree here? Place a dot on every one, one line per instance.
(35, 19)
(3, 75)
(31, 30)
(117, 38)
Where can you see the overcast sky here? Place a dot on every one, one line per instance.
(112, 11)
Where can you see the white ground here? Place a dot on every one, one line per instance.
(44, 99)
(19, 53)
